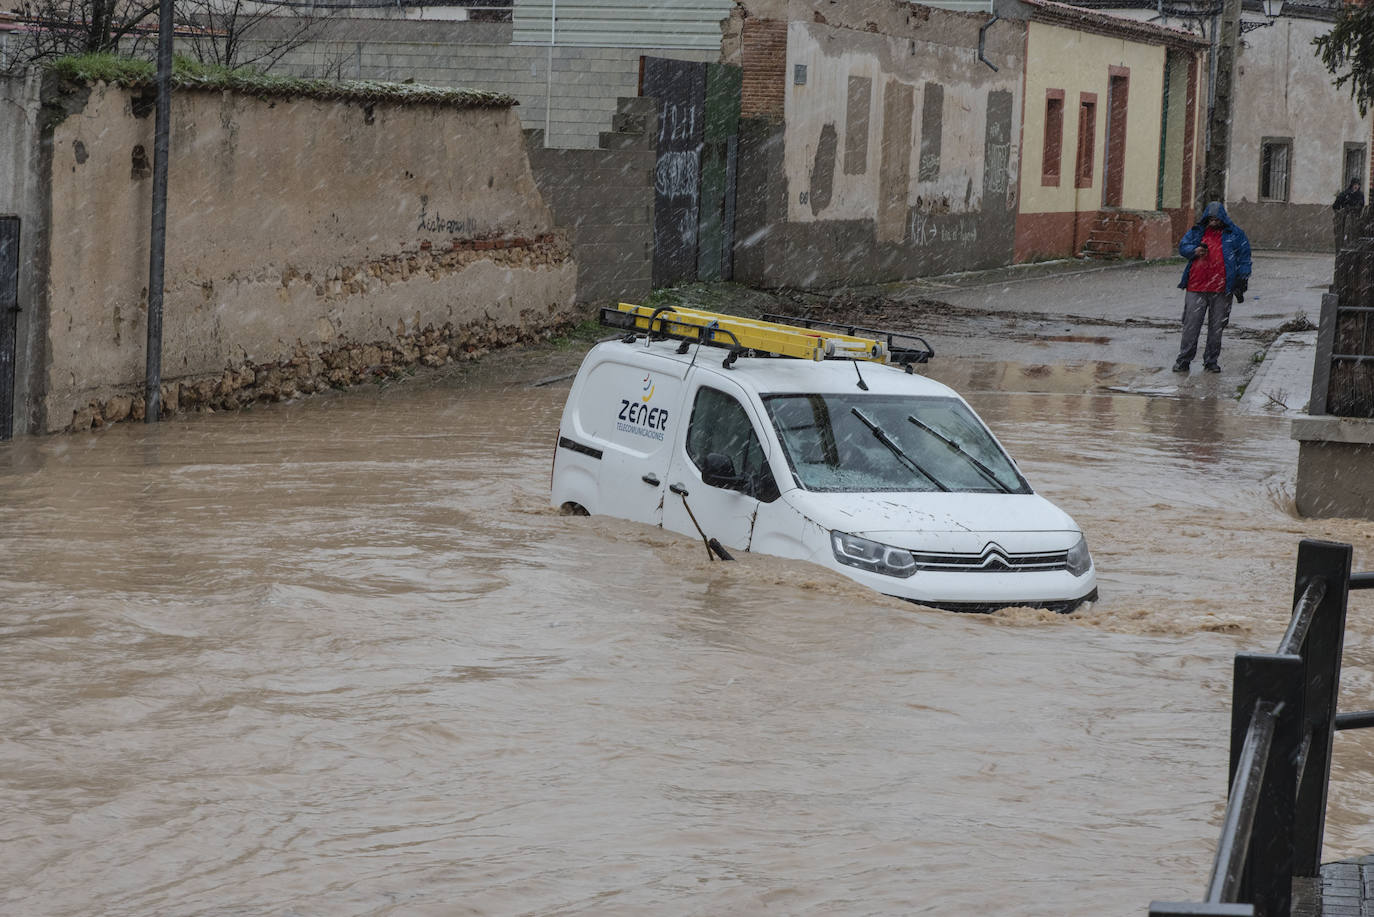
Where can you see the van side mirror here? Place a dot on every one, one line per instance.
(718, 471)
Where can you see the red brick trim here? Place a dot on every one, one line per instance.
(1044, 235)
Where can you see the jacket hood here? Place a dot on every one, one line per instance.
(1215, 209)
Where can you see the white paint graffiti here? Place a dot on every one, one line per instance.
(924, 231)
(999, 154)
(677, 123)
(677, 174)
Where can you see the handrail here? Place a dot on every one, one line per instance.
(1362, 720)
(1296, 634)
(1282, 723)
(1241, 805)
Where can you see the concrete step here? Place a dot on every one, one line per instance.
(1100, 250)
(634, 123)
(636, 105)
(1104, 245)
(619, 140)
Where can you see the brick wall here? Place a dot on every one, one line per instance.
(764, 58)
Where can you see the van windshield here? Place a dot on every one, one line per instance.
(884, 443)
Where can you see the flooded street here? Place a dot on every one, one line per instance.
(339, 657)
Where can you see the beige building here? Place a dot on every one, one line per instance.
(1296, 140)
(1112, 134)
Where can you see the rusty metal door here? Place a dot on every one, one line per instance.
(9, 319)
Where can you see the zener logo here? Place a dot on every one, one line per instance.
(641, 419)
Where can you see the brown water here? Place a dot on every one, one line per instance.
(338, 658)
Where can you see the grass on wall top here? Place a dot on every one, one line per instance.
(189, 74)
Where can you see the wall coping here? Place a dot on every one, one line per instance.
(1326, 428)
(137, 75)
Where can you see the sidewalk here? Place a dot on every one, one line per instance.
(1127, 315)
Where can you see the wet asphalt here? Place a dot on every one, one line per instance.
(1123, 319)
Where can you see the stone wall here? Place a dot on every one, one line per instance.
(310, 242)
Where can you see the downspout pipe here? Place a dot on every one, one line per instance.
(982, 37)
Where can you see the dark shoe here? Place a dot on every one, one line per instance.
(1212, 368)
(1180, 367)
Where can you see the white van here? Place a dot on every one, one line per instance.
(806, 441)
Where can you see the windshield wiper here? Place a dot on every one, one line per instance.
(896, 449)
(984, 470)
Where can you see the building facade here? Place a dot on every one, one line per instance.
(875, 144)
(1112, 137)
(1296, 140)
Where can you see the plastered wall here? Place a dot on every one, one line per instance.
(297, 229)
(1078, 62)
(892, 150)
(1283, 92)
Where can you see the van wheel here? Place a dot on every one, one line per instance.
(573, 509)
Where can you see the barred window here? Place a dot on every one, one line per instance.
(1276, 164)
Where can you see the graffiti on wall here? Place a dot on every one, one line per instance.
(926, 231)
(997, 151)
(680, 88)
(436, 222)
(677, 173)
(677, 123)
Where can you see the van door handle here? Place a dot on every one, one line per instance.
(678, 489)
(650, 479)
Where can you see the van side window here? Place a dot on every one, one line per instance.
(720, 424)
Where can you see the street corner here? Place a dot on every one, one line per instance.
(1282, 379)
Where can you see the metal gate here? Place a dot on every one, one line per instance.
(694, 174)
(1343, 374)
(680, 88)
(9, 319)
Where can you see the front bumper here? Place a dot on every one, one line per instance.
(1063, 606)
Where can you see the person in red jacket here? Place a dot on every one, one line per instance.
(1218, 253)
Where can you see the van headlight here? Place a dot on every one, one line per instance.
(870, 555)
(1079, 560)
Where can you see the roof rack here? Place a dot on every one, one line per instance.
(812, 340)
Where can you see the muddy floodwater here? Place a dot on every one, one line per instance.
(339, 657)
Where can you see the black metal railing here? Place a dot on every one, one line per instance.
(1283, 718)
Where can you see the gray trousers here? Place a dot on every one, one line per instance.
(1216, 308)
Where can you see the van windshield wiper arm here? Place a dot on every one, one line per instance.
(897, 450)
(984, 470)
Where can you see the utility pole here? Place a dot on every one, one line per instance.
(157, 250)
(1225, 41)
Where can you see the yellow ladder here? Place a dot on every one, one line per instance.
(751, 334)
